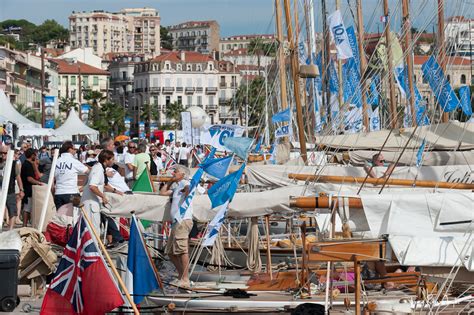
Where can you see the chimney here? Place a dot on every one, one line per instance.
(182, 56)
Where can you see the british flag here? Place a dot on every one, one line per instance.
(79, 254)
(74, 288)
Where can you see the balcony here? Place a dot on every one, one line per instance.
(211, 90)
(222, 101)
(211, 108)
(189, 90)
(179, 89)
(155, 90)
(167, 90)
(121, 79)
(228, 114)
(222, 85)
(199, 89)
(138, 90)
(233, 85)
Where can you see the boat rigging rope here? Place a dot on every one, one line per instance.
(254, 262)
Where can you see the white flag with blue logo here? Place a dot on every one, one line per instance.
(216, 167)
(140, 278)
(339, 36)
(221, 195)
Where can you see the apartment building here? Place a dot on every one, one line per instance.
(235, 42)
(189, 78)
(459, 36)
(130, 30)
(199, 36)
(75, 78)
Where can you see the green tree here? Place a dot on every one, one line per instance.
(49, 30)
(29, 112)
(165, 38)
(149, 114)
(173, 111)
(4, 40)
(253, 94)
(110, 120)
(94, 98)
(66, 104)
(260, 47)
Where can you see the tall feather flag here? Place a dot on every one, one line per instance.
(221, 195)
(141, 278)
(284, 115)
(239, 145)
(465, 98)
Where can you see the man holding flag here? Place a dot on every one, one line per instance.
(178, 189)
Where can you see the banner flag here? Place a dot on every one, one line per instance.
(465, 95)
(214, 135)
(339, 36)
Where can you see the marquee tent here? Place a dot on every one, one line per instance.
(74, 126)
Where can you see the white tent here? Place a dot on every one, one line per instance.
(25, 126)
(73, 126)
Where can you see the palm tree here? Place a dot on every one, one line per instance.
(66, 104)
(173, 111)
(259, 48)
(94, 98)
(150, 113)
(29, 112)
(251, 93)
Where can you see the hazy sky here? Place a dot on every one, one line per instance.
(234, 16)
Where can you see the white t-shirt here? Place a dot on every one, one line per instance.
(183, 153)
(159, 163)
(67, 169)
(117, 181)
(128, 158)
(178, 198)
(96, 178)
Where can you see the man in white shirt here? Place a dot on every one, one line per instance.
(183, 154)
(65, 174)
(128, 159)
(178, 242)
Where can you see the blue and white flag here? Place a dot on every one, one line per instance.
(284, 115)
(465, 95)
(216, 167)
(440, 86)
(351, 74)
(215, 134)
(354, 47)
(375, 120)
(185, 207)
(140, 278)
(333, 80)
(283, 131)
(240, 146)
(221, 195)
(373, 93)
(339, 35)
(419, 154)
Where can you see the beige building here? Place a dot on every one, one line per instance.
(231, 43)
(189, 78)
(199, 36)
(130, 30)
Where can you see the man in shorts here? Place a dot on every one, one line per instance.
(11, 196)
(178, 242)
(29, 179)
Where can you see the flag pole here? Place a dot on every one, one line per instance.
(109, 260)
(157, 275)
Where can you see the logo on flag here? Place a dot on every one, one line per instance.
(283, 131)
(216, 167)
(339, 35)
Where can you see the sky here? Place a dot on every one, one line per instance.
(234, 16)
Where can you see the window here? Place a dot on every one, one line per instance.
(168, 100)
(199, 100)
(167, 66)
(179, 67)
(211, 100)
(199, 67)
(179, 82)
(167, 82)
(189, 67)
(95, 80)
(73, 80)
(190, 100)
(155, 82)
(180, 100)
(463, 79)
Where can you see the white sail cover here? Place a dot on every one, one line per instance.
(447, 136)
(73, 126)
(423, 229)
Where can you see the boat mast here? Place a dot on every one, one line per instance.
(325, 63)
(363, 64)
(309, 19)
(393, 106)
(281, 56)
(339, 76)
(442, 49)
(296, 84)
(408, 48)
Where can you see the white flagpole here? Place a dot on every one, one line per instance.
(44, 209)
(7, 170)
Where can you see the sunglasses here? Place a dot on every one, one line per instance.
(5, 153)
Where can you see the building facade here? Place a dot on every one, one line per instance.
(130, 30)
(198, 36)
(459, 36)
(188, 78)
(236, 42)
(76, 78)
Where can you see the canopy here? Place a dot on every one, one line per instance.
(73, 126)
(446, 136)
(12, 115)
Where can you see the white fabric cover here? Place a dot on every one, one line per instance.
(447, 136)
(277, 175)
(11, 114)
(74, 126)
(411, 222)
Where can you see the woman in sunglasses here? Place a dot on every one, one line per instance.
(379, 160)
